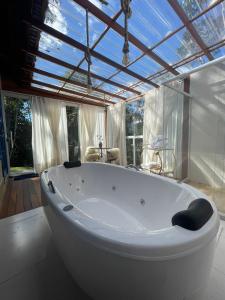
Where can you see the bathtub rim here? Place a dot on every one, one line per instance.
(131, 245)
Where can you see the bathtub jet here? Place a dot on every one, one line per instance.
(113, 228)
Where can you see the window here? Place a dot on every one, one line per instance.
(134, 131)
(19, 133)
(73, 134)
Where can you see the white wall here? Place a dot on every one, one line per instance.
(207, 126)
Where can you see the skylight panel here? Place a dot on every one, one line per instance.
(109, 88)
(83, 79)
(218, 52)
(143, 88)
(70, 94)
(193, 64)
(124, 78)
(61, 51)
(194, 7)
(151, 20)
(127, 94)
(99, 67)
(51, 67)
(211, 26)
(84, 91)
(74, 87)
(145, 66)
(159, 80)
(46, 79)
(43, 87)
(110, 9)
(68, 17)
(179, 46)
(112, 44)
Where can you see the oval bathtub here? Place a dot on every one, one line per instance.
(116, 237)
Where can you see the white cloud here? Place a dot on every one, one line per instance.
(82, 11)
(56, 20)
(96, 3)
(78, 8)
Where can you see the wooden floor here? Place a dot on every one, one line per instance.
(20, 196)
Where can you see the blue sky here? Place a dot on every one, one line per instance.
(151, 21)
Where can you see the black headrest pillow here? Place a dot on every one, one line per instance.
(195, 216)
(72, 164)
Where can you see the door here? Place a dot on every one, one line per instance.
(3, 149)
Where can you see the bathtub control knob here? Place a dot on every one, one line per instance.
(68, 207)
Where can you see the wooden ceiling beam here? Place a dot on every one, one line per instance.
(77, 69)
(72, 42)
(183, 17)
(55, 87)
(74, 82)
(116, 16)
(182, 62)
(151, 77)
(52, 95)
(120, 30)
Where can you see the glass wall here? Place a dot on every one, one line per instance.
(3, 147)
(134, 131)
(19, 133)
(73, 133)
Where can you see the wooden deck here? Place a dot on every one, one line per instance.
(21, 196)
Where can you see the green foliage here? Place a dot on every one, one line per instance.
(50, 15)
(73, 135)
(193, 8)
(134, 128)
(19, 131)
(134, 118)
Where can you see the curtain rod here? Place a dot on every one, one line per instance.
(183, 76)
(197, 69)
(168, 86)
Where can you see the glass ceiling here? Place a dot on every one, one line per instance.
(153, 22)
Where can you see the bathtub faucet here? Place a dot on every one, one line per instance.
(133, 167)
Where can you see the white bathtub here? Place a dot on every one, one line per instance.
(118, 241)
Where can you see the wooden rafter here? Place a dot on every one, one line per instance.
(117, 15)
(72, 42)
(78, 69)
(179, 64)
(74, 82)
(52, 95)
(181, 14)
(55, 87)
(161, 72)
(120, 30)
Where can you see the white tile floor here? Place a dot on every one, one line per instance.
(30, 268)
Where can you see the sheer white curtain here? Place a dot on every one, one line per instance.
(116, 129)
(163, 111)
(49, 133)
(153, 120)
(91, 127)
